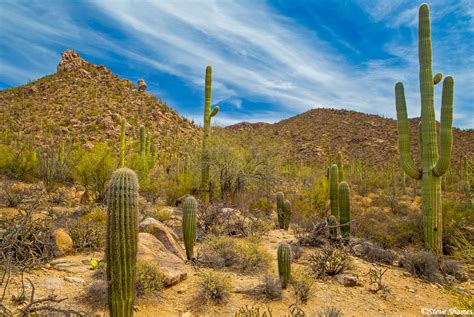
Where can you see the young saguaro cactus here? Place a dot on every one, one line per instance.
(340, 167)
(344, 209)
(280, 200)
(284, 264)
(122, 144)
(142, 141)
(121, 244)
(208, 114)
(467, 182)
(333, 188)
(433, 165)
(286, 214)
(189, 225)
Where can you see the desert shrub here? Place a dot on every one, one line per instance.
(375, 275)
(94, 170)
(263, 205)
(14, 193)
(375, 253)
(423, 264)
(245, 311)
(55, 164)
(330, 312)
(213, 288)
(244, 255)
(18, 161)
(388, 230)
(302, 283)
(149, 279)
(454, 268)
(61, 196)
(271, 288)
(26, 240)
(330, 261)
(319, 193)
(296, 251)
(161, 214)
(87, 235)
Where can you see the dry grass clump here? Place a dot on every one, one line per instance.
(245, 255)
(149, 280)
(330, 261)
(330, 312)
(214, 288)
(245, 311)
(302, 283)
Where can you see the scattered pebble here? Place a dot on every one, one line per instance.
(75, 280)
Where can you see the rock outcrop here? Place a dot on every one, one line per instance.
(150, 249)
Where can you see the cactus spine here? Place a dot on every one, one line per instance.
(286, 214)
(284, 264)
(280, 200)
(189, 226)
(208, 114)
(122, 144)
(340, 166)
(121, 247)
(333, 184)
(344, 209)
(433, 167)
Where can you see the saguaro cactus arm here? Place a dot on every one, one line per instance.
(406, 160)
(446, 138)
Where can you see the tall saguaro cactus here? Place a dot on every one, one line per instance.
(467, 182)
(344, 209)
(208, 114)
(284, 264)
(189, 226)
(121, 247)
(433, 166)
(333, 188)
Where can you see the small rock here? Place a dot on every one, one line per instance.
(407, 274)
(187, 314)
(52, 283)
(62, 243)
(75, 280)
(411, 290)
(347, 280)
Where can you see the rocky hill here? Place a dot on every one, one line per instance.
(319, 133)
(85, 103)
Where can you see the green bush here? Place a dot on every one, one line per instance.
(19, 161)
(94, 170)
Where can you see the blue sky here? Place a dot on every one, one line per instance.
(271, 59)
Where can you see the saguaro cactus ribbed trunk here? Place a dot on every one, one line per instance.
(284, 264)
(121, 245)
(142, 141)
(344, 209)
(433, 166)
(189, 226)
(333, 188)
(208, 114)
(340, 167)
(280, 201)
(286, 214)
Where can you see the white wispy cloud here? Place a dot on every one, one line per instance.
(256, 53)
